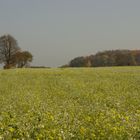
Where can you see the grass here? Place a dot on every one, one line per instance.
(65, 104)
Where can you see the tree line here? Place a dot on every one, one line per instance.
(11, 54)
(107, 58)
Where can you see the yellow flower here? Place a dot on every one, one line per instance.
(82, 130)
(51, 117)
(11, 129)
(88, 118)
(93, 135)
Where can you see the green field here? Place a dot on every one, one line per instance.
(70, 104)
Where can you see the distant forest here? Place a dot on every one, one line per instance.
(107, 58)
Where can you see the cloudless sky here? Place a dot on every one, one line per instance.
(55, 31)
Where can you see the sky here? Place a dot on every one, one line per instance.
(56, 31)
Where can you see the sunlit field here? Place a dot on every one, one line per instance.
(70, 104)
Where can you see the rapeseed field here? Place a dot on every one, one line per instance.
(70, 104)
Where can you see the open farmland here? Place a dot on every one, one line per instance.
(65, 104)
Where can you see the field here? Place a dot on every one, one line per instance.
(70, 104)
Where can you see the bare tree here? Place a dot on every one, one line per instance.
(8, 48)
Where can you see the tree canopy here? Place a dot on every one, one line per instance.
(11, 54)
(108, 58)
(8, 48)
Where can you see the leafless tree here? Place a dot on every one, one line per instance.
(8, 48)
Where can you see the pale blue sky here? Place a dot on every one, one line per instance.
(55, 31)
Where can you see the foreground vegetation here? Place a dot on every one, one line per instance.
(101, 103)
